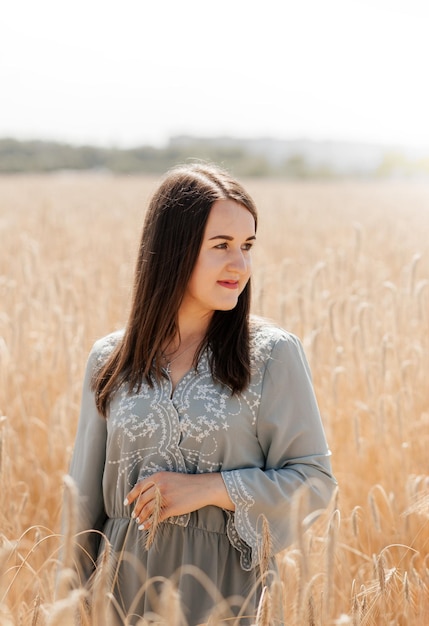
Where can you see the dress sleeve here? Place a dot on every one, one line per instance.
(291, 435)
(86, 470)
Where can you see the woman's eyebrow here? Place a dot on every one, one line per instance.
(229, 238)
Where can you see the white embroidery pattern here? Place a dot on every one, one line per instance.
(150, 431)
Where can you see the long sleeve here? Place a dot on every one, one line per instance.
(291, 435)
(86, 469)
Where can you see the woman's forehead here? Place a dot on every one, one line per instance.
(230, 217)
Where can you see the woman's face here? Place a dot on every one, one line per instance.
(223, 266)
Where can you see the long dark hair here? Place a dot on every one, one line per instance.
(170, 244)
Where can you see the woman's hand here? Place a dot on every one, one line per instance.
(175, 494)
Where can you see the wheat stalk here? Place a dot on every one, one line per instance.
(263, 615)
(169, 606)
(265, 550)
(101, 605)
(155, 517)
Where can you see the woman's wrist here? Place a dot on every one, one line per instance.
(215, 492)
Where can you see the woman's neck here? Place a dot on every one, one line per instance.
(178, 356)
(191, 328)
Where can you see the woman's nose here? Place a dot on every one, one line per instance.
(238, 262)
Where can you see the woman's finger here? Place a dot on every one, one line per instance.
(143, 500)
(137, 490)
(146, 515)
(144, 520)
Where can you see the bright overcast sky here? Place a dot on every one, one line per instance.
(131, 72)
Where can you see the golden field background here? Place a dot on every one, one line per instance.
(344, 265)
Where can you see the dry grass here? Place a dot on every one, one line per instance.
(345, 266)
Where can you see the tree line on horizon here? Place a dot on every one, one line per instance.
(38, 156)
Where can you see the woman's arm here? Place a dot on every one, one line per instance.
(296, 483)
(86, 470)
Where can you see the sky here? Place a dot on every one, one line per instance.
(136, 72)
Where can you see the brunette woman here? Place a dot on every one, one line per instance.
(198, 421)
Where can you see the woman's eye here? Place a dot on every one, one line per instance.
(224, 245)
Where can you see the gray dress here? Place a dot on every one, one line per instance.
(266, 442)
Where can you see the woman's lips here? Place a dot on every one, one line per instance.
(229, 284)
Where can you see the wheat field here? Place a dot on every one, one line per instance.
(344, 265)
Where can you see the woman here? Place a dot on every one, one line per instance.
(198, 422)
